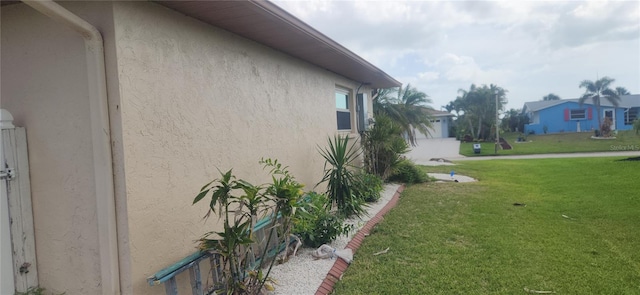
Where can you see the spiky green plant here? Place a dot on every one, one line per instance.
(339, 175)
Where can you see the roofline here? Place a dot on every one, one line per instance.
(295, 22)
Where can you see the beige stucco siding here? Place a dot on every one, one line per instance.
(44, 82)
(194, 99)
(185, 99)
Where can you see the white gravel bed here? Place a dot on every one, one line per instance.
(302, 274)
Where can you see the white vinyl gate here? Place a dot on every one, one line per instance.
(18, 269)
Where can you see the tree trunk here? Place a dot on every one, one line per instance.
(479, 127)
(473, 134)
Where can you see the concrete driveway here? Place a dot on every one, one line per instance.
(446, 148)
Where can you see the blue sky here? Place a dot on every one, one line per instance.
(530, 48)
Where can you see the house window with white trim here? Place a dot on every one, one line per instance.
(579, 114)
(630, 115)
(343, 113)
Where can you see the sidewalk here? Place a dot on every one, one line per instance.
(447, 148)
(551, 156)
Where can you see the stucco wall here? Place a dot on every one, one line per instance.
(195, 99)
(44, 87)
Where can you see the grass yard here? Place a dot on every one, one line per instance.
(558, 143)
(469, 238)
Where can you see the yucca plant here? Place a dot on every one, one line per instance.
(339, 175)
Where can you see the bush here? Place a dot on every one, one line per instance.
(236, 243)
(339, 175)
(368, 186)
(314, 223)
(383, 147)
(408, 172)
(605, 129)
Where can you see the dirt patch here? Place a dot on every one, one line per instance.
(504, 144)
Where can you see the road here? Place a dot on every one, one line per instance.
(447, 148)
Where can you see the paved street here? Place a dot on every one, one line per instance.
(447, 148)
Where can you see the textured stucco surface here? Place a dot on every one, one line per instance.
(185, 99)
(195, 98)
(44, 87)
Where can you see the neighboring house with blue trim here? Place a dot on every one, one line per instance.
(567, 115)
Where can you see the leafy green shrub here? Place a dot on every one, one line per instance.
(368, 186)
(407, 172)
(636, 126)
(235, 243)
(338, 173)
(605, 129)
(383, 147)
(314, 223)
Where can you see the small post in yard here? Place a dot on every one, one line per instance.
(497, 130)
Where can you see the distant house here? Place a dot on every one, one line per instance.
(129, 107)
(440, 122)
(568, 115)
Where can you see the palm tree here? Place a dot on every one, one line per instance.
(407, 109)
(622, 91)
(551, 96)
(479, 105)
(596, 91)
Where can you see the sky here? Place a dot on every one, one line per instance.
(530, 48)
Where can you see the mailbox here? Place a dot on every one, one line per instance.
(476, 148)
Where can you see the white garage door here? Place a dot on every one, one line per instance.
(437, 128)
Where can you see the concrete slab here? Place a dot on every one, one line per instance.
(434, 148)
(447, 177)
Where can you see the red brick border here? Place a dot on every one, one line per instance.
(340, 266)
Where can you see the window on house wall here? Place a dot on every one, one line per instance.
(343, 112)
(579, 114)
(630, 116)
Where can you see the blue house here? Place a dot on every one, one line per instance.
(567, 115)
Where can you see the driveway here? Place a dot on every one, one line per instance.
(427, 149)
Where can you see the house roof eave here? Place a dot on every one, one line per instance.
(266, 23)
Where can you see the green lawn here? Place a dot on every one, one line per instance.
(455, 238)
(558, 143)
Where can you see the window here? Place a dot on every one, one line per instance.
(579, 114)
(343, 113)
(630, 116)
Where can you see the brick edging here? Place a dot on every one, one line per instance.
(340, 266)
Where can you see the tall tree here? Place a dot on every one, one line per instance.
(514, 120)
(551, 96)
(406, 107)
(598, 90)
(622, 91)
(478, 105)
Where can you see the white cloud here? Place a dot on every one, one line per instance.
(428, 76)
(530, 48)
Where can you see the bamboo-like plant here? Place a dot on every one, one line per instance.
(240, 204)
(339, 175)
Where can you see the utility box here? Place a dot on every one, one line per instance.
(476, 148)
